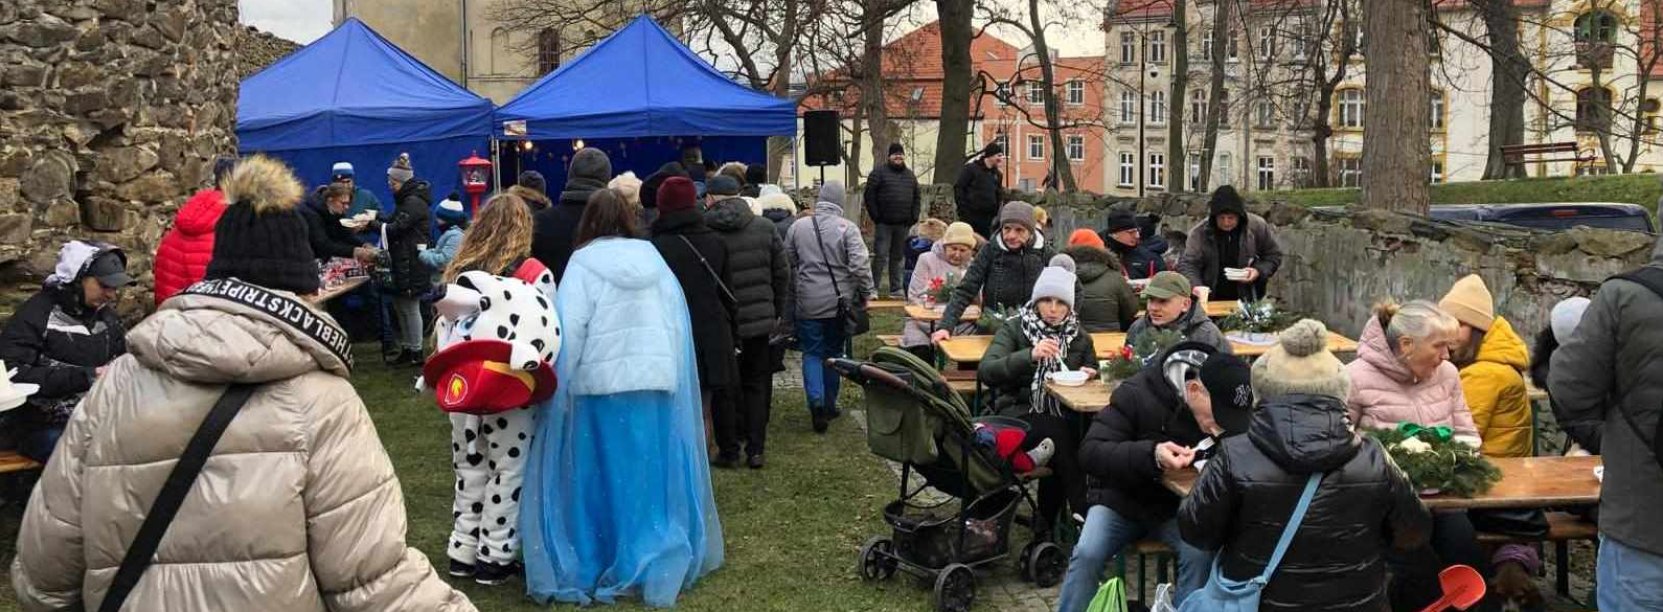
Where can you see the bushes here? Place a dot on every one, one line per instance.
(1642, 189)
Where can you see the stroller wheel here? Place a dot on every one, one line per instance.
(1024, 564)
(877, 559)
(1046, 564)
(955, 589)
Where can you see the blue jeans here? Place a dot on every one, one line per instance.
(819, 339)
(1106, 534)
(38, 444)
(1629, 578)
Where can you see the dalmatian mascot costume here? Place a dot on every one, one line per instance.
(498, 338)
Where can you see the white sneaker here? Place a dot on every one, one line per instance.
(1042, 453)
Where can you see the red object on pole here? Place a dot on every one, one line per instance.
(476, 172)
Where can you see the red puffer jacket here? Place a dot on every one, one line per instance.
(182, 257)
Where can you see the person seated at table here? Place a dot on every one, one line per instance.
(1402, 374)
(1492, 360)
(1231, 238)
(1172, 306)
(1243, 500)
(1002, 274)
(921, 239)
(946, 261)
(1161, 420)
(1140, 255)
(1107, 303)
(1043, 337)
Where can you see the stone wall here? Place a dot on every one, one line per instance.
(253, 50)
(111, 112)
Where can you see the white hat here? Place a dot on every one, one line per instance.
(1566, 316)
(12, 394)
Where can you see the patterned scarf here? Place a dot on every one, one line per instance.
(1035, 329)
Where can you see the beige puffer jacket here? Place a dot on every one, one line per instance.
(297, 508)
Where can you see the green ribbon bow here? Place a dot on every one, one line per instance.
(1439, 433)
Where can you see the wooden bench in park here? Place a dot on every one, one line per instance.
(1517, 153)
(892, 341)
(11, 462)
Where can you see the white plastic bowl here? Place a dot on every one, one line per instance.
(1069, 379)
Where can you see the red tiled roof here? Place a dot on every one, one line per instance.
(912, 62)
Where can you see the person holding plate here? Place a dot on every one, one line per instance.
(1234, 252)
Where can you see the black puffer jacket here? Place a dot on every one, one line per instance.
(410, 227)
(1105, 301)
(324, 230)
(756, 263)
(891, 196)
(54, 340)
(649, 186)
(555, 228)
(1004, 278)
(711, 313)
(1118, 454)
(978, 192)
(1248, 491)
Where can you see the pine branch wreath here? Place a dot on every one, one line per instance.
(1435, 462)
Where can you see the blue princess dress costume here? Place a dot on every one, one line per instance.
(617, 498)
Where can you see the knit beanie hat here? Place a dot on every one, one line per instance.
(1229, 380)
(1301, 364)
(960, 233)
(1056, 281)
(261, 238)
(1063, 261)
(1085, 237)
(1469, 302)
(1120, 221)
(341, 170)
(630, 187)
(1567, 314)
(592, 164)
(992, 150)
(756, 174)
(895, 148)
(675, 195)
(450, 212)
(1020, 213)
(533, 180)
(832, 192)
(722, 185)
(400, 170)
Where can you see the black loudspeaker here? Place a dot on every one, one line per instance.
(820, 141)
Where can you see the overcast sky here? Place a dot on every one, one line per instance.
(301, 21)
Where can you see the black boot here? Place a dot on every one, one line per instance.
(411, 358)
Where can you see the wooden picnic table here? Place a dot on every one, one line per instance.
(1218, 309)
(970, 349)
(919, 312)
(885, 304)
(344, 288)
(1526, 482)
(1089, 398)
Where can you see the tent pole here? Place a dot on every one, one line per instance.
(496, 162)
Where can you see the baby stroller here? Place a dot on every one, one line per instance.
(914, 418)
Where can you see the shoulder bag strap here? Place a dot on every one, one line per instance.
(142, 551)
(825, 257)
(713, 275)
(1650, 278)
(1293, 525)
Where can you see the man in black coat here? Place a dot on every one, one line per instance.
(60, 340)
(323, 213)
(554, 229)
(979, 190)
(1127, 239)
(699, 259)
(760, 276)
(1161, 420)
(892, 201)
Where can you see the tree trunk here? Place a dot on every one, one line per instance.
(872, 94)
(1209, 142)
(1397, 117)
(1061, 171)
(956, 32)
(1175, 97)
(780, 146)
(851, 161)
(1507, 86)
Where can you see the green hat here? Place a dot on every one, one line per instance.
(1167, 285)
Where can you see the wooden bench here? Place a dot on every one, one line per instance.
(11, 462)
(891, 341)
(1563, 527)
(1144, 549)
(1517, 153)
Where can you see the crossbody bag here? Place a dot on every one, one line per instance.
(855, 320)
(1225, 595)
(733, 302)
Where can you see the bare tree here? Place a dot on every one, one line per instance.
(1396, 150)
(957, 30)
(1033, 27)
(1175, 94)
(1507, 85)
(1223, 25)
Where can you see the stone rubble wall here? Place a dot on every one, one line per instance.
(111, 114)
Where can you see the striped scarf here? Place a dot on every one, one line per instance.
(1035, 329)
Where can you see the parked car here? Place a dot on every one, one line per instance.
(1552, 215)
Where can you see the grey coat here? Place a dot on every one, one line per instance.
(1617, 353)
(756, 264)
(1195, 326)
(1200, 262)
(843, 260)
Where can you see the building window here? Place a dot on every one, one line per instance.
(1267, 173)
(1002, 94)
(1076, 92)
(1128, 107)
(1157, 171)
(1224, 109)
(1437, 111)
(1593, 109)
(1157, 107)
(1437, 169)
(1351, 109)
(1036, 147)
(1351, 171)
(1264, 114)
(1596, 27)
(1194, 158)
(1128, 48)
(1157, 47)
(1592, 169)
(1076, 148)
(548, 50)
(1128, 168)
(1300, 47)
(1232, 51)
(1434, 46)
(1198, 106)
(1025, 185)
(1300, 167)
(1650, 108)
(1036, 92)
(1267, 43)
(1207, 47)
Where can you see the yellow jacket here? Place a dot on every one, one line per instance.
(1496, 393)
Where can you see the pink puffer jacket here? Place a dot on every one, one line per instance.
(1384, 393)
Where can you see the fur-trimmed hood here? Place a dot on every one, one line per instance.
(265, 183)
(777, 201)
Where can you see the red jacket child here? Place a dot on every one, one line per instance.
(182, 257)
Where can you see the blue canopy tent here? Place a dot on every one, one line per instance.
(639, 95)
(353, 96)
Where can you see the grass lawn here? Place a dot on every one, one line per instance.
(793, 530)
(1642, 189)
